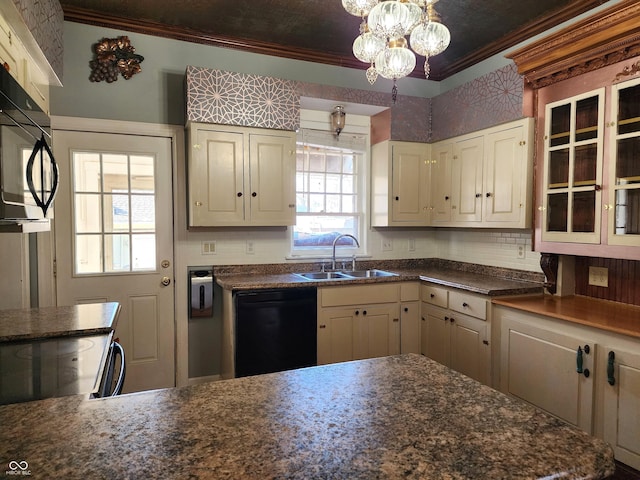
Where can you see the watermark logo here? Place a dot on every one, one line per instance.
(18, 467)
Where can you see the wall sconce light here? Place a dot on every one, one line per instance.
(337, 119)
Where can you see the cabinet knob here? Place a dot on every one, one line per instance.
(239, 194)
(597, 187)
(522, 143)
(446, 319)
(254, 194)
(198, 204)
(486, 342)
(465, 304)
(452, 319)
(541, 208)
(197, 146)
(446, 198)
(292, 205)
(364, 312)
(422, 318)
(406, 309)
(432, 295)
(488, 194)
(396, 320)
(397, 198)
(478, 195)
(322, 326)
(357, 312)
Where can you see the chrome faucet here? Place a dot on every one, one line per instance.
(333, 257)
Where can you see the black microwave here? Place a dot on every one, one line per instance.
(28, 171)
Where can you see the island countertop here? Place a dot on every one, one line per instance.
(49, 322)
(393, 417)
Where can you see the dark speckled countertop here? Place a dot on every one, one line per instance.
(393, 417)
(480, 279)
(48, 322)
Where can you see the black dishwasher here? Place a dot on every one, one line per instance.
(275, 330)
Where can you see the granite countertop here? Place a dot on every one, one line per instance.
(48, 322)
(603, 314)
(392, 417)
(480, 279)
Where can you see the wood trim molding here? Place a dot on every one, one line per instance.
(608, 37)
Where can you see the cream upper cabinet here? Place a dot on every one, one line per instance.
(440, 202)
(484, 179)
(358, 321)
(454, 331)
(240, 176)
(399, 184)
(466, 175)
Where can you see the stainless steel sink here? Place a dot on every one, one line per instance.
(368, 273)
(323, 275)
(345, 274)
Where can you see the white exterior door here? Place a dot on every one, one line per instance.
(114, 242)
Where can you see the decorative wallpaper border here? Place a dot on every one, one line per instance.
(216, 96)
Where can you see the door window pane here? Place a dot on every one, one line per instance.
(113, 203)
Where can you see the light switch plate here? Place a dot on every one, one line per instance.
(387, 245)
(599, 276)
(209, 247)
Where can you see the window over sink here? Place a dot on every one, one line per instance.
(330, 192)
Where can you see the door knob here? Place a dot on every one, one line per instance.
(165, 281)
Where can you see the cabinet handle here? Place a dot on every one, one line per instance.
(322, 326)
(396, 320)
(485, 342)
(239, 194)
(579, 360)
(489, 194)
(610, 368)
(292, 205)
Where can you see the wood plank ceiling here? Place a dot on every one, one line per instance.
(321, 30)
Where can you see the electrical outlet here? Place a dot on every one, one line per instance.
(387, 245)
(250, 250)
(208, 247)
(599, 276)
(521, 251)
(412, 244)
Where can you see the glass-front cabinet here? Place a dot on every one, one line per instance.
(573, 152)
(623, 200)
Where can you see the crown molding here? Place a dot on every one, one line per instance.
(608, 37)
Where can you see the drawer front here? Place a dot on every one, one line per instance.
(409, 292)
(359, 294)
(437, 296)
(468, 304)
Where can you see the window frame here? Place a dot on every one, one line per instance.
(317, 124)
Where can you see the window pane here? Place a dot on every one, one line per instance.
(316, 162)
(116, 213)
(316, 182)
(349, 204)
(302, 202)
(333, 184)
(142, 175)
(333, 204)
(116, 257)
(144, 252)
(316, 203)
(348, 184)
(115, 172)
(87, 213)
(88, 254)
(302, 181)
(334, 163)
(86, 172)
(348, 164)
(143, 213)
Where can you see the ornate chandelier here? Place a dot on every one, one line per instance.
(382, 42)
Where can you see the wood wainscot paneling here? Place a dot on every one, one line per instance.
(623, 286)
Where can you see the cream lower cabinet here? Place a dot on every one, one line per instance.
(410, 317)
(357, 322)
(543, 367)
(457, 340)
(621, 404)
(539, 363)
(240, 176)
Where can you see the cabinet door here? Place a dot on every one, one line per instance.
(436, 339)
(271, 195)
(470, 352)
(409, 190)
(504, 177)
(216, 178)
(440, 191)
(623, 207)
(466, 175)
(572, 179)
(335, 335)
(622, 404)
(410, 327)
(540, 367)
(376, 331)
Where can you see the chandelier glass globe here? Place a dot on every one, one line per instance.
(367, 46)
(395, 61)
(430, 38)
(359, 8)
(390, 19)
